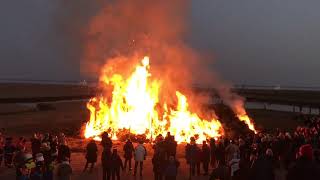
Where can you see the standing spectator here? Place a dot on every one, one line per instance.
(128, 151)
(64, 170)
(9, 150)
(35, 144)
(221, 172)
(158, 162)
(262, 168)
(234, 163)
(192, 157)
(91, 155)
(54, 147)
(305, 167)
(19, 161)
(106, 164)
(171, 146)
(220, 152)
(63, 152)
(116, 164)
(140, 154)
(213, 152)
(21, 143)
(231, 149)
(29, 164)
(48, 160)
(242, 173)
(171, 170)
(38, 172)
(205, 155)
(106, 142)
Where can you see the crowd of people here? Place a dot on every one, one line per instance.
(262, 156)
(46, 152)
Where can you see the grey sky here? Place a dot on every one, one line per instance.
(253, 41)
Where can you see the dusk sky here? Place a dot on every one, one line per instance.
(255, 42)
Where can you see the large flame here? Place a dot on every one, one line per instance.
(134, 106)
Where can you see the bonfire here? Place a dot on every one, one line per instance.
(134, 105)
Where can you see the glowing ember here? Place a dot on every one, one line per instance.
(135, 107)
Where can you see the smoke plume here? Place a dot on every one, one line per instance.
(122, 30)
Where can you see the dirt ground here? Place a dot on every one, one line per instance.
(68, 117)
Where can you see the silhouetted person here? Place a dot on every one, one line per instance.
(106, 164)
(91, 155)
(212, 152)
(63, 152)
(64, 170)
(242, 173)
(193, 158)
(221, 172)
(159, 164)
(205, 155)
(171, 169)
(9, 150)
(262, 168)
(170, 146)
(35, 145)
(116, 164)
(106, 142)
(128, 151)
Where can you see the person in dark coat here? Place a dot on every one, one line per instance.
(158, 162)
(243, 172)
(106, 164)
(48, 160)
(116, 164)
(9, 150)
(262, 168)
(171, 169)
(19, 161)
(64, 170)
(128, 154)
(171, 146)
(106, 142)
(35, 145)
(63, 152)
(205, 156)
(221, 172)
(193, 157)
(305, 167)
(220, 153)
(213, 152)
(91, 155)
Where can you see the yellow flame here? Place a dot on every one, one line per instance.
(133, 107)
(246, 119)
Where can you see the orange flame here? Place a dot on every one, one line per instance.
(133, 108)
